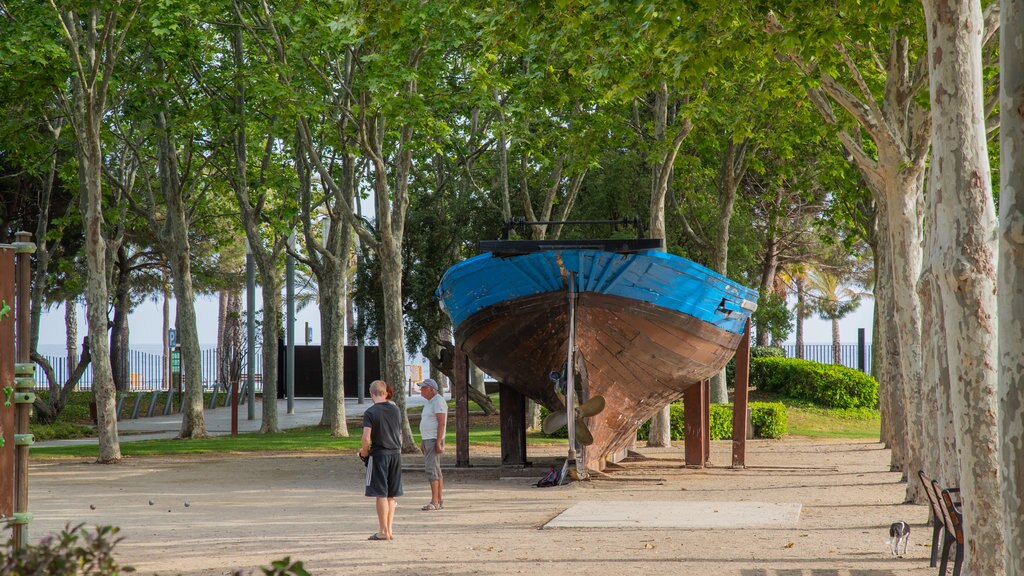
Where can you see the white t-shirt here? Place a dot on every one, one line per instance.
(428, 421)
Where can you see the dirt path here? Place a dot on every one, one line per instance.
(246, 510)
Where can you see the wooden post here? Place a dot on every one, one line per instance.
(6, 382)
(24, 383)
(513, 426)
(693, 417)
(460, 387)
(739, 404)
(706, 416)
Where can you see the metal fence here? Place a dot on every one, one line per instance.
(146, 371)
(823, 353)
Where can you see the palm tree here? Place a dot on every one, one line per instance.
(832, 300)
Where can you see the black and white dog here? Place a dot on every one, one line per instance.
(899, 533)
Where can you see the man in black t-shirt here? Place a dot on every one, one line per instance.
(382, 446)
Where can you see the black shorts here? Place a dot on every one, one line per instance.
(384, 475)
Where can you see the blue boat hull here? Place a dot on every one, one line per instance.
(648, 326)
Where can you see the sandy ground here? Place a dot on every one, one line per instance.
(245, 511)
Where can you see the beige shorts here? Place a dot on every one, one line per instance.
(431, 460)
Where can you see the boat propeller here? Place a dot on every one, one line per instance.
(556, 420)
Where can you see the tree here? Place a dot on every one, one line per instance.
(964, 258)
(882, 106)
(95, 36)
(1011, 282)
(832, 301)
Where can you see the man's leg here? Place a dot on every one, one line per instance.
(435, 492)
(382, 516)
(392, 504)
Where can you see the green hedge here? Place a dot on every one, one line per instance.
(755, 352)
(768, 418)
(827, 385)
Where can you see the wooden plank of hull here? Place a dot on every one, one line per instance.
(637, 355)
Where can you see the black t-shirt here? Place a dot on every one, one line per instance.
(385, 423)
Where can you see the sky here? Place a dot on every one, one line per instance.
(145, 325)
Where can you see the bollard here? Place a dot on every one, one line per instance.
(23, 383)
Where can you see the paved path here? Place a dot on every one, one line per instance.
(218, 420)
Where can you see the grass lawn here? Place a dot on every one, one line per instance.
(833, 423)
(308, 439)
(804, 420)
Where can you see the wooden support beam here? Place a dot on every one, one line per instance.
(460, 388)
(739, 403)
(6, 381)
(513, 426)
(693, 417)
(706, 415)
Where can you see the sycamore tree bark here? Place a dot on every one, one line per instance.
(173, 237)
(965, 261)
(660, 433)
(94, 39)
(900, 130)
(1011, 280)
(252, 198)
(328, 258)
(730, 174)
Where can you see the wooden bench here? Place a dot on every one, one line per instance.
(948, 519)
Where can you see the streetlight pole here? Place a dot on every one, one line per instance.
(250, 304)
(290, 297)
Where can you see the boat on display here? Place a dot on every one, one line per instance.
(646, 325)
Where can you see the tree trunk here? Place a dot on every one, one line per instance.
(270, 288)
(961, 193)
(837, 347)
(890, 380)
(193, 421)
(394, 329)
(71, 330)
(222, 325)
(119, 327)
(1011, 279)
(769, 269)
(660, 433)
(801, 306)
(232, 346)
(96, 296)
(165, 338)
(333, 301)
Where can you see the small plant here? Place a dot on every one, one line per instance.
(282, 567)
(5, 309)
(73, 552)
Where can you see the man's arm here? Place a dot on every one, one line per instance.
(442, 418)
(364, 450)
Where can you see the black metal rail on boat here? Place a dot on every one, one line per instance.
(520, 222)
(507, 247)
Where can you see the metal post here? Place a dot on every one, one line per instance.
(361, 371)
(23, 384)
(861, 350)
(250, 304)
(290, 297)
(570, 388)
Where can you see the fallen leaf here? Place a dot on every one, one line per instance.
(648, 546)
(790, 545)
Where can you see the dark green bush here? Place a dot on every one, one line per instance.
(768, 419)
(755, 352)
(827, 385)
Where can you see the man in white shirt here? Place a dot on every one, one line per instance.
(432, 430)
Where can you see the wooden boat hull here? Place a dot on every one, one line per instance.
(635, 351)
